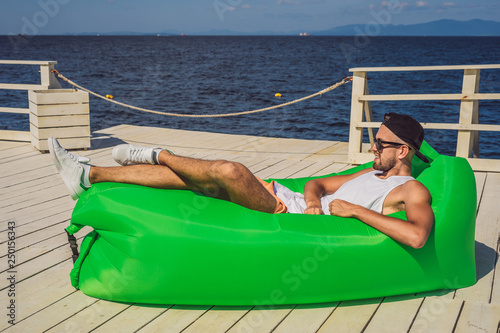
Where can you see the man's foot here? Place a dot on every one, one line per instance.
(126, 154)
(73, 169)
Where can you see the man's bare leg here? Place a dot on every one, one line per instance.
(156, 176)
(221, 179)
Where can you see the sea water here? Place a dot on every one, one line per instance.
(225, 74)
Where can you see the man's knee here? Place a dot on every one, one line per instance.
(228, 171)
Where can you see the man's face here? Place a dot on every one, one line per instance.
(385, 159)
(384, 162)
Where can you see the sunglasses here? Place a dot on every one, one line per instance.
(378, 144)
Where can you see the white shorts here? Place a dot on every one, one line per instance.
(295, 202)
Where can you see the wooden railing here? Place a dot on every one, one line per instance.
(47, 81)
(467, 127)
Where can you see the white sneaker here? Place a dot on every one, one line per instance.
(129, 154)
(70, 167)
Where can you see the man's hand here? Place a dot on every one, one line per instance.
(314, 210)
(412, 232)
(316, 188)
(342, 208)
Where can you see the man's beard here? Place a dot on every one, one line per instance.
(385, 165)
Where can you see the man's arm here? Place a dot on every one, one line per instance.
(316, 188)
(413, 232)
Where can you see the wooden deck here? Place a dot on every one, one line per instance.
(34, 199)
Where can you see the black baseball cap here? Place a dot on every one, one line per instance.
(407, 129)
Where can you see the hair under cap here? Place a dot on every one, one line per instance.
(407, 129)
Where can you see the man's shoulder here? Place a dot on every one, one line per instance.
(414, 187)
(411, 191)
(415, 184)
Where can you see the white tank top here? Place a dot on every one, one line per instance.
(366, 190)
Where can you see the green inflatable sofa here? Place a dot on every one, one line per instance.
(158, 246)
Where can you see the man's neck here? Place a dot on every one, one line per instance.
(398, 170)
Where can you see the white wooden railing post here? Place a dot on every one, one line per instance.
(469, 114)
(367, 107)
(59, 113)
(468, 126)
(53, 111)
(357, 107)
(48, 79)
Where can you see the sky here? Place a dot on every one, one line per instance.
(47, 17)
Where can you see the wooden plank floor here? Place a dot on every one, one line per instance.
(33, 198)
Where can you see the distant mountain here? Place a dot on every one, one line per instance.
(228, 33)
(435, 28)
(121, 33)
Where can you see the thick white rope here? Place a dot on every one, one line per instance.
(336, 85)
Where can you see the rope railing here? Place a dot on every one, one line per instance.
(321, 92)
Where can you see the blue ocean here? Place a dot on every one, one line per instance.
(225, 74)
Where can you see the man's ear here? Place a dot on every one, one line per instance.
(405, 150)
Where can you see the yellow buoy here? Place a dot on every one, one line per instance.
(109, 96)
(277, 95)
